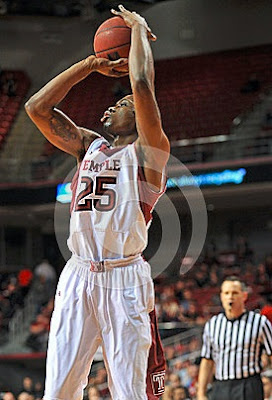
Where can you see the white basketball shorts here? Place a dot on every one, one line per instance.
(109, 308)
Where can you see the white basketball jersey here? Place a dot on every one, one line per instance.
(112, 204)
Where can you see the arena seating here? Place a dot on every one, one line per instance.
(198, 95)
(14, 286)
(11, 98)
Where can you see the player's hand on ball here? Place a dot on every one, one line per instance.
(132, 18)
(115, 69)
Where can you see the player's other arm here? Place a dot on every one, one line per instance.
(204, 377)
(148, 118)
(57, 127)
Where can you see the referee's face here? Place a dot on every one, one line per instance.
(233, 298)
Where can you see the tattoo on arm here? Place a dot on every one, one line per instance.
(62, 128)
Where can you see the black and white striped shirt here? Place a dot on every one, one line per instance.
(236, 345)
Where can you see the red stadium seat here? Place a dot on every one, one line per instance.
(200, 97)
(9, 105)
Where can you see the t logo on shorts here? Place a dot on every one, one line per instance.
(158, 383)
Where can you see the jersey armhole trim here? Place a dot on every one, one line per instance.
(143, 178)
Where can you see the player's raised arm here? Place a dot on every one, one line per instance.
(53, 123)
(141, 73)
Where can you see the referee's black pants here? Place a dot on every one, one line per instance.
(239, 389)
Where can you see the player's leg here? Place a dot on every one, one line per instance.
(127, 339)
(126, 347)
(73, 340)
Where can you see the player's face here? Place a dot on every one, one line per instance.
(120, 119)
(232, 296)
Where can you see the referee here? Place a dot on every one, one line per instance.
(233, 342)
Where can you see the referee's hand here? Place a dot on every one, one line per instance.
(202, 397)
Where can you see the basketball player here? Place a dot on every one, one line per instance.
(105, 292)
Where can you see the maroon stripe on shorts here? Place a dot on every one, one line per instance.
(156, 362)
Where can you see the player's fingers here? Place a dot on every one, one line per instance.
(122, 8)
(115, 12)
(121, 62)
(120, 67)
(152, 37)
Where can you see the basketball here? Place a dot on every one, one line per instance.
(112, 39)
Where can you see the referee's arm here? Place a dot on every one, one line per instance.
(206, 365)
(267, 342)
(204, 377)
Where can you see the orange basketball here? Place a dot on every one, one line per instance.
(112, 39)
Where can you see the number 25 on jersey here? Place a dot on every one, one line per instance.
(85, 203)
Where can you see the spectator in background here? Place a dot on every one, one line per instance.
(213, 277)
(252, 85)
(168, 392)
(180, 393)
(100, 382)
(13, 297)
(187, 298)
(47, 272)
(27, 385)
(192, 313)
(267, 386)
(262, 277)
(9, 84)
(38, 390)
(44, 283)
(180, 369)
(169, 353)
(168, 293)
(8, 396)
(193, 375)
(39, 331)
(93, 393)
(243, 251)
(179, 287)
(25, 396)
(174, 380)
(170, 311)
(25, 276)
(194, 345)
(201, 275)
